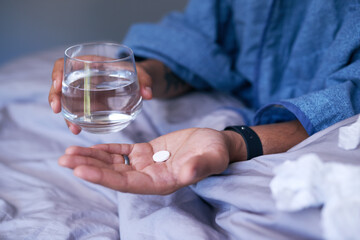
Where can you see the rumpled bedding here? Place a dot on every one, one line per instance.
(41, 200)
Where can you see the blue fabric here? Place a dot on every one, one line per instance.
(283, 59)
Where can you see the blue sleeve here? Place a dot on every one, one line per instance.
(320, 109)
(189, 44)
(333, 92)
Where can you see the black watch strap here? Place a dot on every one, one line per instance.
(252, 140)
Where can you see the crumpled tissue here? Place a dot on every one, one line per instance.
(308, 182)
(298, 184)
(349, 136)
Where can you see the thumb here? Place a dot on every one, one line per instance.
(194, 171)
(145, 82)
(201, 167)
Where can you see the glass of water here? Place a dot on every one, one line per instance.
(100, 89)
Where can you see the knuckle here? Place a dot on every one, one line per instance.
(55, 75)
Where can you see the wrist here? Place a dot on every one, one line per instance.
(252, 141)
(235, 145)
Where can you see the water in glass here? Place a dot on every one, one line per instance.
(108, 105)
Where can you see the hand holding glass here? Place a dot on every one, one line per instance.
(100, 89)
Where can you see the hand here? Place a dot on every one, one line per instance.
(54, 98)
(195, 154)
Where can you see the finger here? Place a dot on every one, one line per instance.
(114, 148)
(73, 161)
(121, 167)
(54, 100)
(146, 92)
(57, 74)
(128, 181)
(145, 84)
(75, 129)
(140, 154)
(55, 90)
(92, 153)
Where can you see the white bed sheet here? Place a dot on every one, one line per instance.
(41, 200)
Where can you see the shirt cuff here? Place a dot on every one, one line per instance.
(282, 111)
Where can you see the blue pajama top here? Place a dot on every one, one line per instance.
(284, 59)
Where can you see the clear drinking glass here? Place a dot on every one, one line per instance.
(100, 89)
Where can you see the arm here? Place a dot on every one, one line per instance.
(275, 138)
(196, 153)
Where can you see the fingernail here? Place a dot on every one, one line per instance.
(62, 162)
(148, 91)
(54, 83)
(52, 104)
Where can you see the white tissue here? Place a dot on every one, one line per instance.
(340, 181)
(308, 182)
(349, 136)
(298, 183)
(341, 219)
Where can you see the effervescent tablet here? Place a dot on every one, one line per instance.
(161, 156)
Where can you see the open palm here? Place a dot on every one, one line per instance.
(195, 154)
